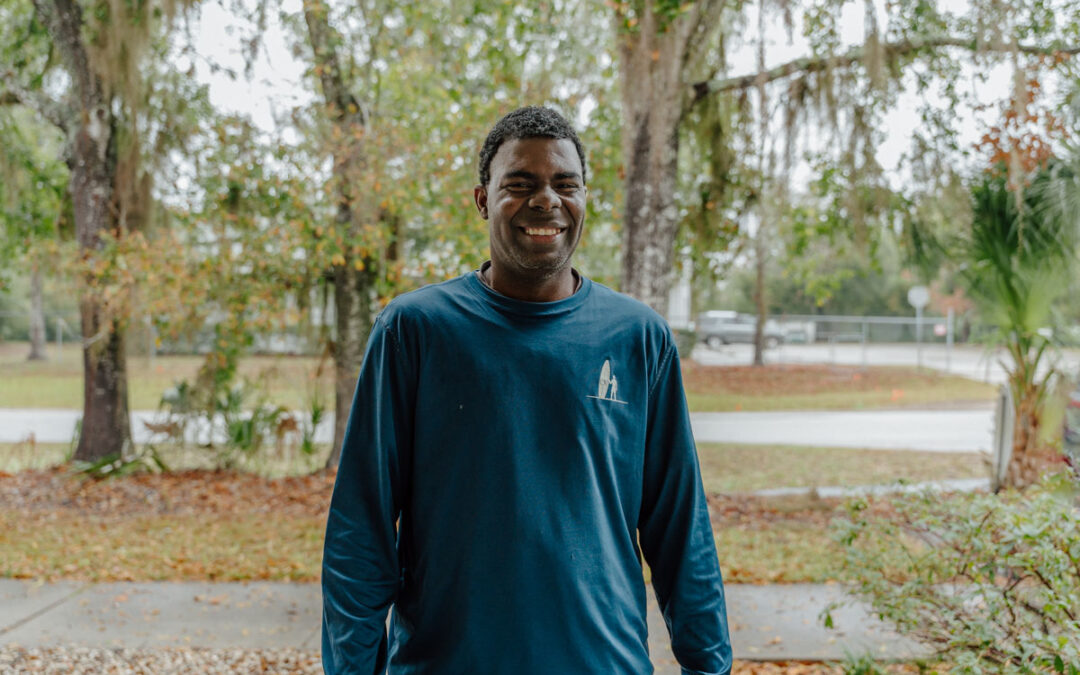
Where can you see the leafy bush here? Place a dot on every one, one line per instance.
(227, 420)
(990, 582)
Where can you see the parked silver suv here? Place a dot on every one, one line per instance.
(720, 327)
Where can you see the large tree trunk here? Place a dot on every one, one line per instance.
(106, 426)
(37, 315)
(353, 309)
(354, 276)
(651, 219)
(655, 99)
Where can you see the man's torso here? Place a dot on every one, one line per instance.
(523, 483)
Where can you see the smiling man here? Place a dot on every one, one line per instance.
(518, 441)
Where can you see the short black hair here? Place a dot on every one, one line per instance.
(529, 122)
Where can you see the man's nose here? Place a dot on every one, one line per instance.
(545, 198)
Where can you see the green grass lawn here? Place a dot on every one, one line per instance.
(173, 547)
(240, 546)
(790, 552)
(269, 546)
(180, 535)
(728, 469)
(290, 381)
(269, 463)
(16, 457)
(57, 383)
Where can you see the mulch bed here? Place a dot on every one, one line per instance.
(793, 379)
(60, 490)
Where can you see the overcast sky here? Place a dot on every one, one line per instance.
(276, 86)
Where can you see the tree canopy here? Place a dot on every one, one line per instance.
(703, 148)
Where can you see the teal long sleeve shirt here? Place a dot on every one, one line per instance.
(506, 466)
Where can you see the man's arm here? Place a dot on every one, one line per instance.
(676, 536)
(360, 573)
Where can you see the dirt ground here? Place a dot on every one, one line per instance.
(223, 492)
(793, 379)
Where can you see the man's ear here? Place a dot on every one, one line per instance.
(480, 197)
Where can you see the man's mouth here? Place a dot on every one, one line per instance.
(542, 231)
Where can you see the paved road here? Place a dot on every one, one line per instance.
(767, 622)
(58, 426)
(937, 430)
(932, 430)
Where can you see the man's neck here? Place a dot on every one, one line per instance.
(559, 286)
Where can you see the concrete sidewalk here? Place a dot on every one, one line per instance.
(962, 430)
(767, 622)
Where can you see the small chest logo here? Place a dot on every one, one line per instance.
(608, 388)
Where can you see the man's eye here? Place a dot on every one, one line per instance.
(567, 187)
(518, 186)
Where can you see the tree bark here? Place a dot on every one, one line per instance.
(651, 219)
(353, 314)
(655, 100)
(106, 422)
(1030, 456)
(652, 112)
(37, 316)
(761, 234)
(354, 277)
(106, 425)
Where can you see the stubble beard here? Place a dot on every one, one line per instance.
(539, 268)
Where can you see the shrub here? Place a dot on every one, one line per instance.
(228, 421)
(990, 582)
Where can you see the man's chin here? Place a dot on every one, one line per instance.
(543, 268)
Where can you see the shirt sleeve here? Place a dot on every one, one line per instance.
(361, 572)
(675, 533)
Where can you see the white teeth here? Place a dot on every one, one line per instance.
(541, 231)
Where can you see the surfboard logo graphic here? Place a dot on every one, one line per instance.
(608, 387)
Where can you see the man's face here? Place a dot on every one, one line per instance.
(535, 206)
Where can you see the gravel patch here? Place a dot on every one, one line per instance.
(98, 661)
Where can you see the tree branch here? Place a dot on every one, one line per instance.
(64, 21)
(811, 64)
(51, 111)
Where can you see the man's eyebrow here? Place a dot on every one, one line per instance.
(520, 173)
